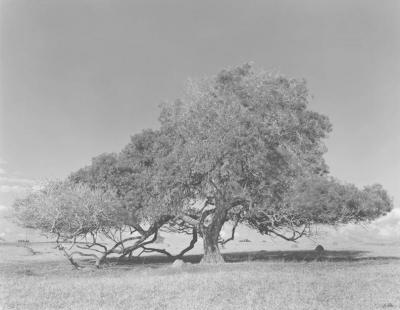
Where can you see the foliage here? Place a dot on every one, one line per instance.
(70, 210)
(133, 176)
(148, 157)
(327, 201)
(320, 200)
(246, 134)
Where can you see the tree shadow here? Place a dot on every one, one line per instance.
(286, 256)
(303, 256)
(61, 267)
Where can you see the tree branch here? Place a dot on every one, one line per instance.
(223, 242)
(295, 236)
(191, 245)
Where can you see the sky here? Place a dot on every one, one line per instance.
(78, 78)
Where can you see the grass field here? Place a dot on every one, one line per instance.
(360, 269)
(364, 284)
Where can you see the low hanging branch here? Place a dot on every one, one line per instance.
(68, 256)
(164, 251)
(295, 234)
(92, 248)
(191, 245)
(288, 227)
(232, 237)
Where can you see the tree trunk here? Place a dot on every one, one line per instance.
(212, 255)
(211, 227)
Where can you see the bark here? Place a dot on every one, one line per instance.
(210, 232)
(191, 245)
(212, 255)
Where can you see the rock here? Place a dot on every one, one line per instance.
(160, 239)
(261, 255)
(319, 248)
(178, 263)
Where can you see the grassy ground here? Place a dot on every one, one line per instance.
(358, 271)
(365, 284)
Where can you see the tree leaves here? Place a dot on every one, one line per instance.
(69, 209)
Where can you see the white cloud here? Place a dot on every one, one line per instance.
(388, 225)
(9, 181)
(14, 184)
(3, 207)
(12, 188)
(16, 180)
(37, 187)
(4, 212)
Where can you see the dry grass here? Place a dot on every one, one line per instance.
(246, 285)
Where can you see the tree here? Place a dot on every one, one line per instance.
(241, 146)
(242, 141)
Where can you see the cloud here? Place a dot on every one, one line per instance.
(385, 228)
(15, 180)
(13, 184)
(4, 213)
(3, 207)
(388, 225)
(13, 188)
